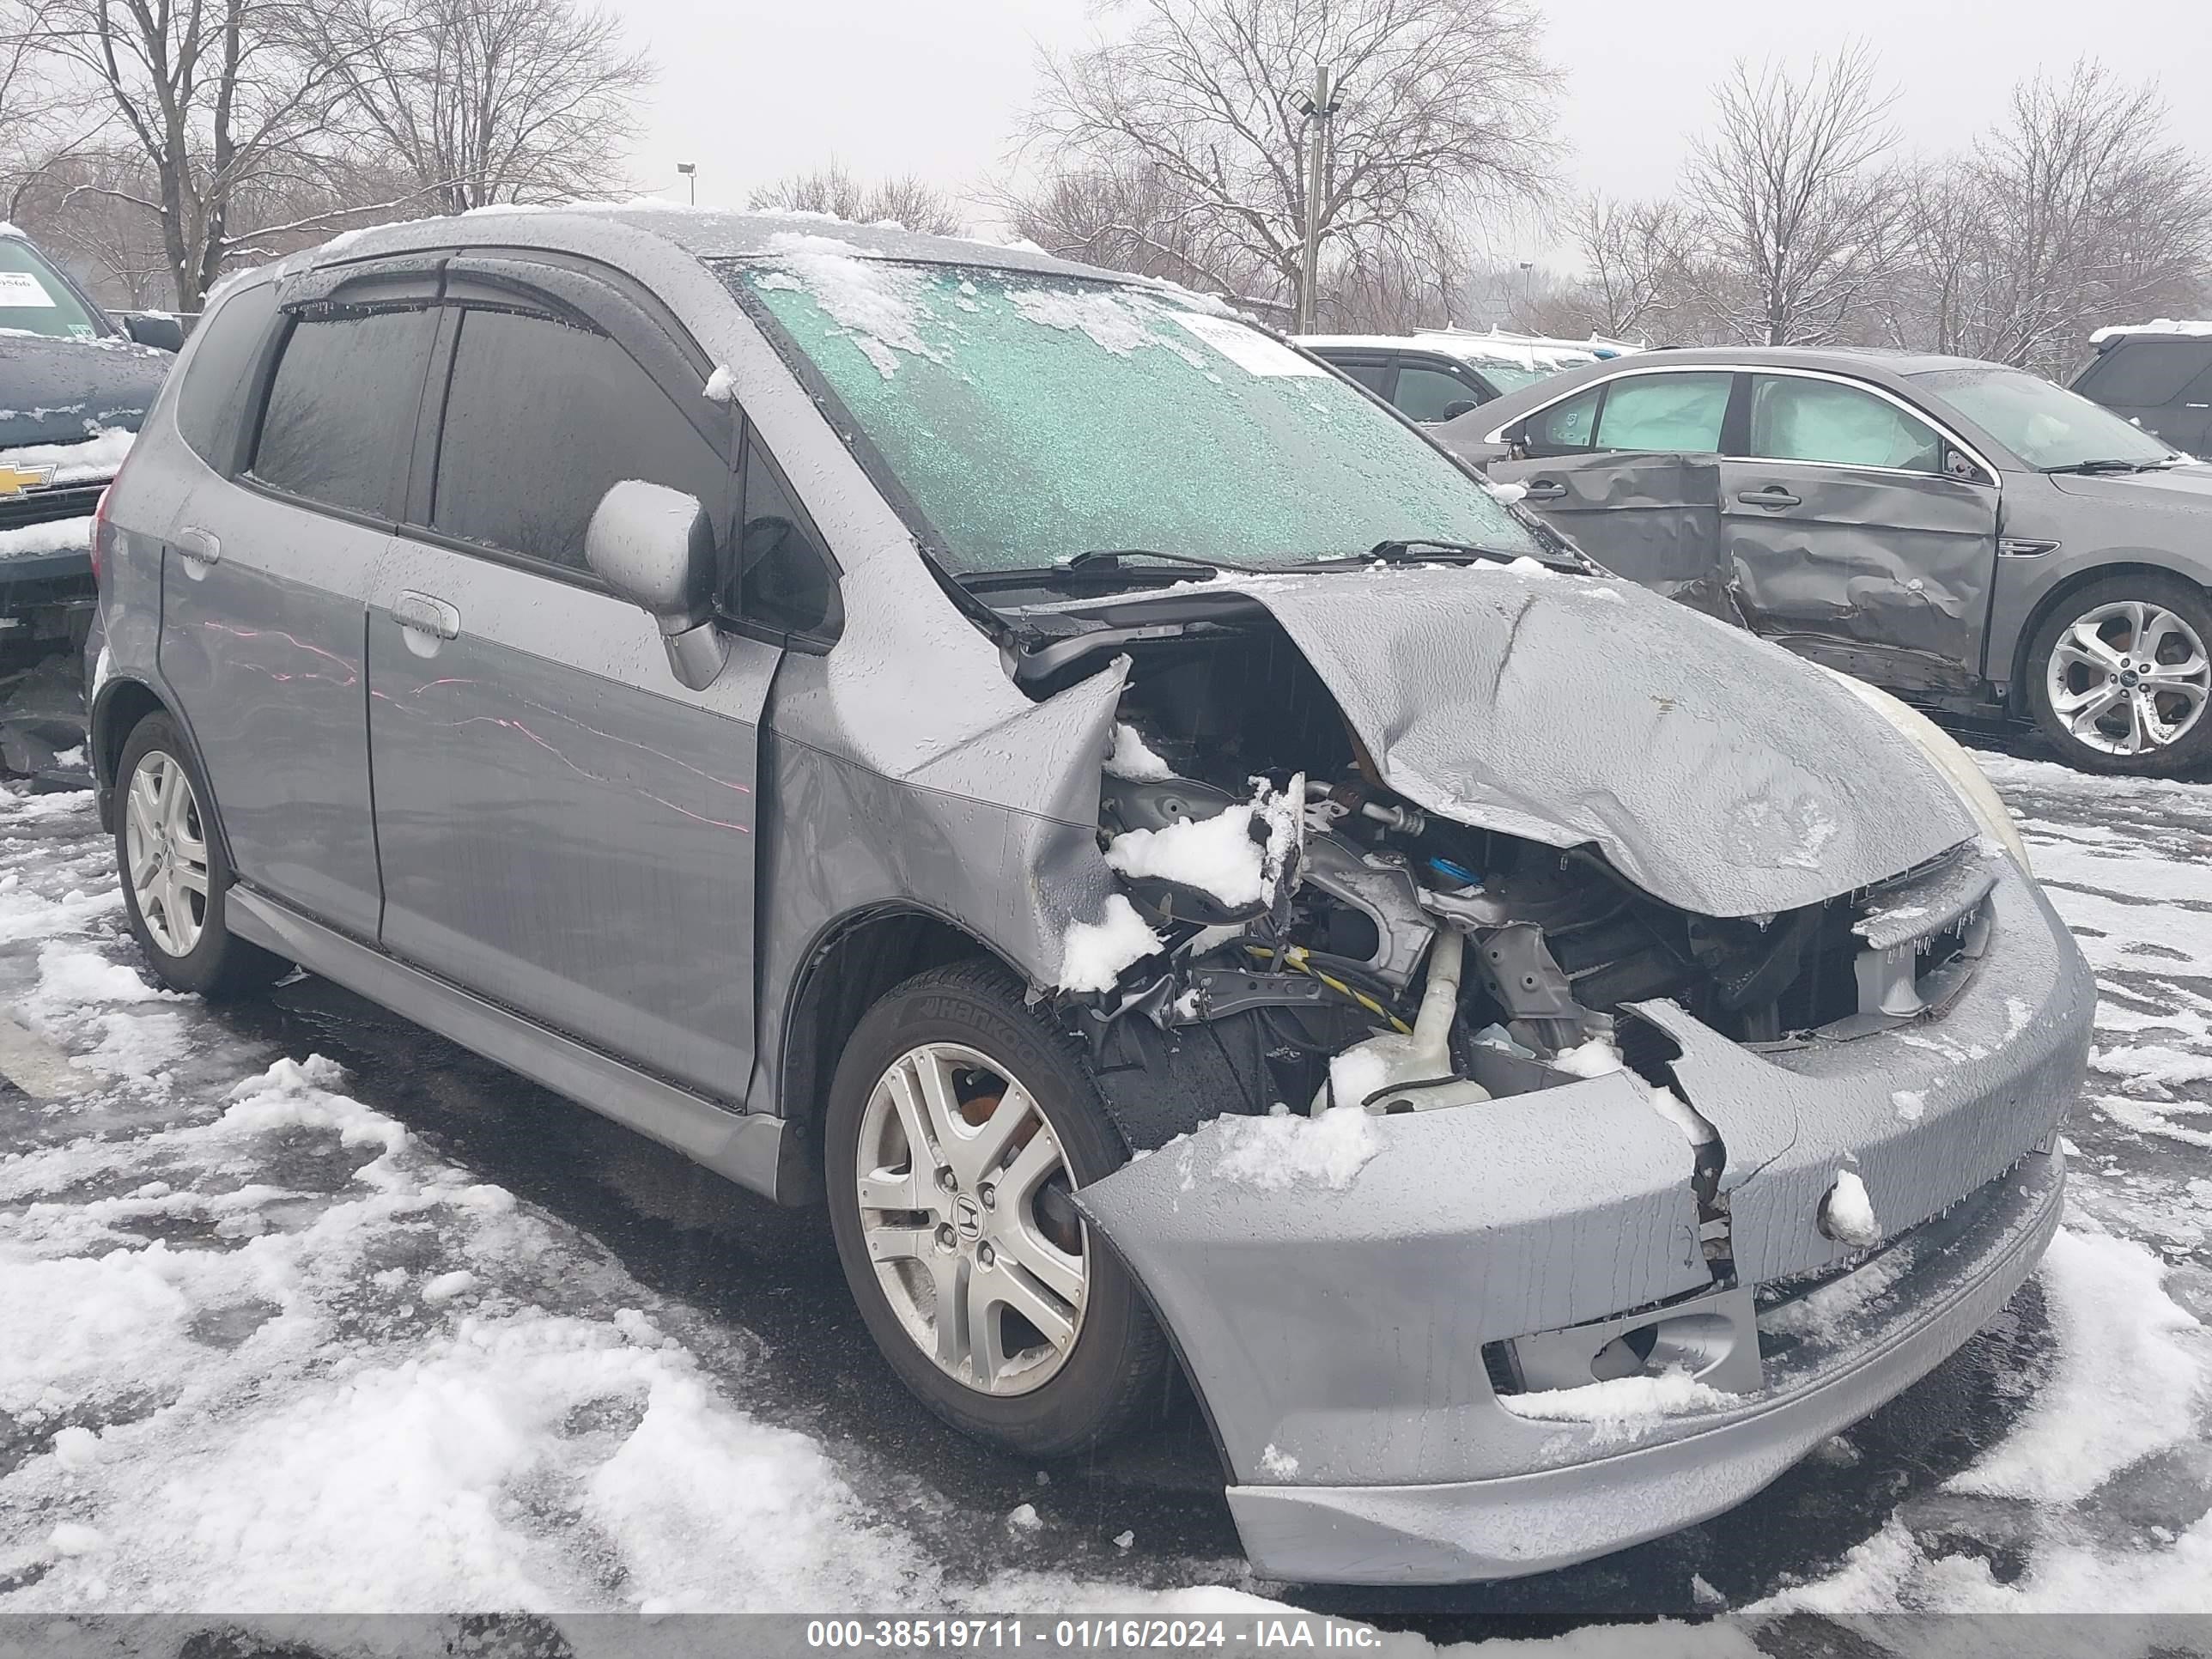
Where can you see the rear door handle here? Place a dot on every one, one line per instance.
(1773, 495)
(1546, 489)
(424, 613)
(200, 546)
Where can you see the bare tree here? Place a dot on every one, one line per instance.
(485, 101)
(1800, 224)
(1443, 109)
(217, 96)
(2080, 209)
(1638, 272)
(907, 200)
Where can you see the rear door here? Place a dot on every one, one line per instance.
(1628, 468)
(564, 827)
(2164, 386)
(264, 589)
(1861, 535)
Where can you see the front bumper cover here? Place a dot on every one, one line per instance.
(1335, 1335)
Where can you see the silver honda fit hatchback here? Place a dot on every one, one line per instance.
(1189, 877)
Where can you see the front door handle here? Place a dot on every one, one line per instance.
(198, 546)
(1773, 495)
(1544, 490)
(423, 613)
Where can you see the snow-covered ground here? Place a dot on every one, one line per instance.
(302, 1309)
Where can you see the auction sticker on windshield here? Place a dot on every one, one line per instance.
(21, 287)
(1246, 348)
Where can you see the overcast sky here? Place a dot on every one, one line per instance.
(751, 91)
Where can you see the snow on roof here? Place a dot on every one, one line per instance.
(2162, 326)
(1531, 351)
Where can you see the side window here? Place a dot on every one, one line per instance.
(1794, 419)
(541, 420)
(340, 421)
(1678, 413)
(2146, 373)
(780, 578)
(1564, 427)
(1427, 394)
(211, 396)
(1376, 377)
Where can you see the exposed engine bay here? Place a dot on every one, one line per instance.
(1367, 953)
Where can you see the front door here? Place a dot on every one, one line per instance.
(1861, 535)
(1628, 469)
(564, 827)
(264, 586)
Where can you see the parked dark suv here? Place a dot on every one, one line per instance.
(1187, 875)
(74, 383)
(2158, 375)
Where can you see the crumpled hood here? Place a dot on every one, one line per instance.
(1713, 769)
(58, 392)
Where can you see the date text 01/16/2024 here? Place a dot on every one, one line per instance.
(1087, 1635)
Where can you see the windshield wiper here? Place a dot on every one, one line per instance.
(2103, 464)
(1419, 550)
(1103, 567)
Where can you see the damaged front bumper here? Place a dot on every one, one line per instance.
(1337, 1334)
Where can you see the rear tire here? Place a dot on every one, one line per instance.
(176, 876)
(972, 1235)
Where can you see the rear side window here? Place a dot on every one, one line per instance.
(1677, 413)
(211, 399)
(1564, 426)
(2145, 373)
(541, 420)
(341, 415)
(1376, 377)
(1427, 394)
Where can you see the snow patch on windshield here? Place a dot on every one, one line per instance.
(877, 303)
(1621, 1407)
(1111, 323)
(1092, 954)
(1286, 1149)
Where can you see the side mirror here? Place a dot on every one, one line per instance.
(150, 328)
(655, 547)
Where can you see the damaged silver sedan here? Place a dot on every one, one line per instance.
(1189, 876)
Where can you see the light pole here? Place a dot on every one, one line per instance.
(1317, 109)
(691, 171)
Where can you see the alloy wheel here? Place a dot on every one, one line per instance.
(963, 1196)
(165, 846)
(2129, 677)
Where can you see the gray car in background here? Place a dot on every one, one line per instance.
(1969, 537)
(1026, 758)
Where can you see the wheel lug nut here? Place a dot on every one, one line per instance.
(946, 1238)
(985, 1255)
(990, 1197)
(944, 1179)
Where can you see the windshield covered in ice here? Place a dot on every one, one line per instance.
(2046, 426)
(1033, 417)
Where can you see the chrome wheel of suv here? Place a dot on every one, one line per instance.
(2127, 677)
(955, 1156)
(166, 852)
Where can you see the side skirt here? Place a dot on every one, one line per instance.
(744, 1147)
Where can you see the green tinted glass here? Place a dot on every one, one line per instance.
(1677, 412)
(1031, 417)
(1794, 419)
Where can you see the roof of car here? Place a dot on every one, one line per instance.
(702, 233)
(1841, 360)
(2169, 327)
(1491, 346)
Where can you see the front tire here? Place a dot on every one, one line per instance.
(2118, 677)
(174, 873)
(959, 1121)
